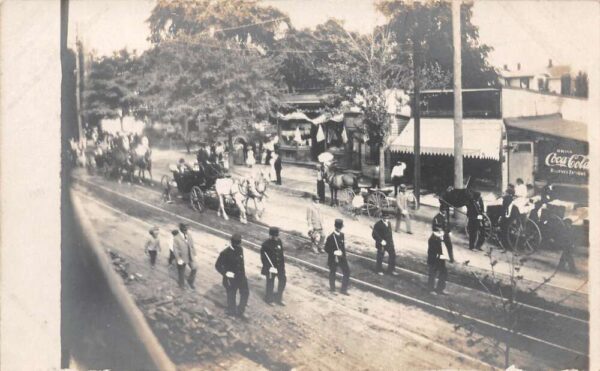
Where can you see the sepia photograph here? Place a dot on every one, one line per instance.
(313, 185)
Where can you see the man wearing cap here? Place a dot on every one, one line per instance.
(315, 225)
(336, 250)
(185, 255)
(475, 225)
(436, 261)
(441, 222)
(152, 246)
(382, 234)
(273, 261)
(402, 209)
(230, 264)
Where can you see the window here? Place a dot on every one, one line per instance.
(372, 154)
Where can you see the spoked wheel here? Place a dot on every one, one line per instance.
(487, 229)
(345, 197)
(197, 199)
(376, 203)
(523, 235)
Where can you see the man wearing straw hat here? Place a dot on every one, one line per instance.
(230, 264)
(336, 250)
(273, 261)
(185, 255)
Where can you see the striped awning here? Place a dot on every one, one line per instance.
(481, 138)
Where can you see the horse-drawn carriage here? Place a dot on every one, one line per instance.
(207, 185)
(520, 224)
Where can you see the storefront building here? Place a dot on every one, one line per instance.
(549, 150)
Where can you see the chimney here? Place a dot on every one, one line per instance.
(519, 66)
(549, 63)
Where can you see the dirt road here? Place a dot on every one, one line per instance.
(316, 330)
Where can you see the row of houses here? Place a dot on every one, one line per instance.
(508, 133)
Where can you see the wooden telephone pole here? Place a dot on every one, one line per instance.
(458, 111)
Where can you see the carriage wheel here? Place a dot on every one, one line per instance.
(375, 204)
(197, 199)
(345, 198)
(524, 236)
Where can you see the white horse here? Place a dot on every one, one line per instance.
(255, 189)
(228, 188)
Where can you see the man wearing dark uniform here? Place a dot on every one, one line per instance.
(382, 234)
(441, 222)
(273, 261)
(336, 251)
(436, 261)
(230, 265)
(475, 225)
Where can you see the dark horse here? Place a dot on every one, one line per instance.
(338, 181)
(142, 163)
(455, 197)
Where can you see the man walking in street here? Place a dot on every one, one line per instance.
(397, 175)
(152, 246)
(185, 255)
(441, 222)
(230, 264)
(315, 225)
(436, 261)
(277, 166)
(384, 242)
(273, 265)
(336, 250)
(402, 209)
(566, 241)
(475, 225)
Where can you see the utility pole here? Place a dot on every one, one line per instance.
(458, 111)
(417, 119)
(79, 63)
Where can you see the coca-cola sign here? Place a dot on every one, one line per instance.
(563, 162)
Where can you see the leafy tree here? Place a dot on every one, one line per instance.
(426, 28)
(230, 18)
(218, 86)
(111, 88)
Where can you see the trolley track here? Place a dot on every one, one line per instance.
(475, 286)
(406, 288)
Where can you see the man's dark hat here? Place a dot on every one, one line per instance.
(274, 231)
(236, 238)
(315, 198)
(339, 223)
(183, 226)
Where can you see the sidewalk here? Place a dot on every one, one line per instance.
(300, 182)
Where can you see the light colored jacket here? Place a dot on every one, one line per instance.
(184, 249)
(314, 218)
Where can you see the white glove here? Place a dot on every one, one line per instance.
(337, 253)
(273, 270)
(480, 217)
(404, 212)
(383, 243)
(180, 261)
(229, 275)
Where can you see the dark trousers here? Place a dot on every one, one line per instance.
(476, 237)
(278, 175)
(343, 264)
(437, 269)
(396, 181)
(152, 254)
(566, 259)
(281, 281)
(448, 243)
(321, 190)
(391, 260)
(181, 275)
(171, 257)
(232, 286)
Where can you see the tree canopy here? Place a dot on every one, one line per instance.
(426, 27)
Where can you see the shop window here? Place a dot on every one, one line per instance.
(372, 154)
(523, 147)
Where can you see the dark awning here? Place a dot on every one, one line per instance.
(553, 125)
